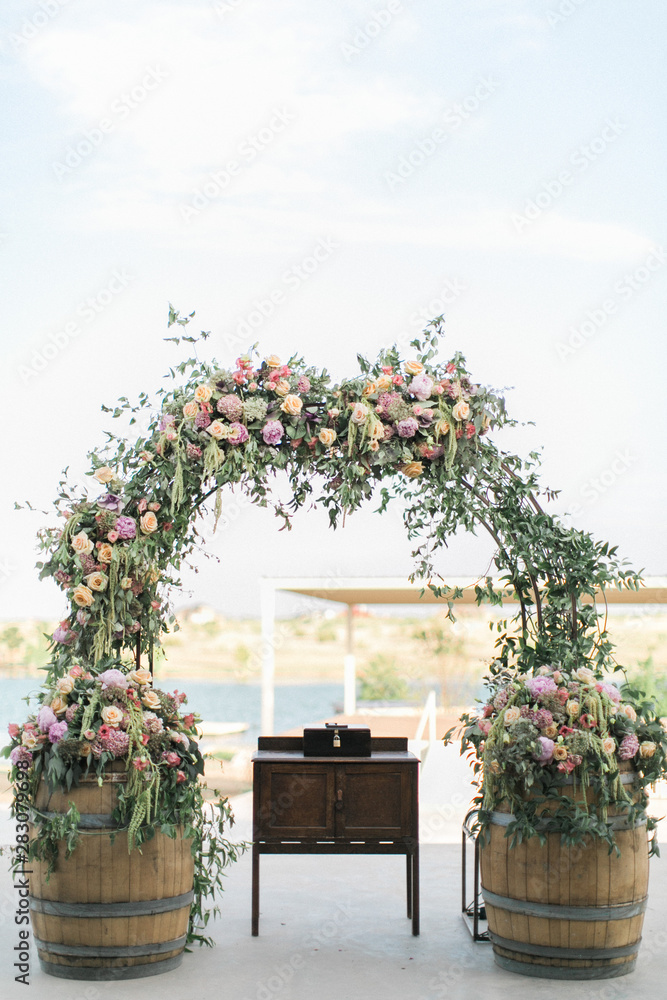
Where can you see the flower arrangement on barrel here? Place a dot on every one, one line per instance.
(418, 428)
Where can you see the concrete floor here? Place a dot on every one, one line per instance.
(335, 927)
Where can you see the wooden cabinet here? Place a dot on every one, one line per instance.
(323, 805)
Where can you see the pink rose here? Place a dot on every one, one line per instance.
(13, 730)
(171, 759)
(180, 777)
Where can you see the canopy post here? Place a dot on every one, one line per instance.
(268, 612)
(350, 674)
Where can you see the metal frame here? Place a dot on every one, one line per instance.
(475, 911)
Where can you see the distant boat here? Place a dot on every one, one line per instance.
(222, 728)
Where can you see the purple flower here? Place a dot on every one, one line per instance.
(272, 432)
(202, 420)
(230, 407)
(82, 617)
(545, 751)
(501, 700)
(57, 731)
(63, 635)
(303, 385)
(113, 678)
(193, 451)
(117, 742)
(111, 502)
(421, 387)
(126, 527)
(425, 418)
(543, 718)
(167, 421)
(238, 433)
(629, 747)
(407, 428)
(46, 718)
(71, 711)
(539, 686)
(612, 692)
(19, 754)
(388, 432)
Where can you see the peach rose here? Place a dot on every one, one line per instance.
(83, 596)
(148, 522)
(273, 361)
(441, 428)
(572, 707)
(104, 474)
(560, 752)
(512, 714)
(384, 382)
(217, 430)
(190, 410)
(609, 745)
(585, 675)
(65, 685)
(126, 583)
(291, 404)
(647, 749)
(112, 716)
(414, 367)
(154, 574)
(374, 445)
(150, 699)
(369, 389)
(461, 411)
(85, 749)
(97, 581)
(551, 731)
(282, 387)
(327, 436)
(359, 413)
(59, 704)
(412, 469)
(203, 393)
(82, 544)
(105, 553)
(29, 740)
(629, 712)
(141, 677)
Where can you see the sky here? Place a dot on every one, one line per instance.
(324, 179)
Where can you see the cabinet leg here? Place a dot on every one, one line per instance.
(415, 891)
(408, 882)
(255, 890)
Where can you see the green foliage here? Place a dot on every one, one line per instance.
(381, 681)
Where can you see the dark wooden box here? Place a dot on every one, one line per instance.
(333, 740)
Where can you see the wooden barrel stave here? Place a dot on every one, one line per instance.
(565, 878)
(110, 914)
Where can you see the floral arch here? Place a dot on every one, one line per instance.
(417, 428)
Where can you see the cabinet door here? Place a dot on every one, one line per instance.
(295, 801)
(374, 801)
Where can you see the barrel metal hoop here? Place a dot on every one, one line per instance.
(112, 777)
(627, 778)
(111, 972)
(545, 951)
(563, 971)
(622, 911)
(89, 821)
(615, 822)
(145, 907)
(110, 951)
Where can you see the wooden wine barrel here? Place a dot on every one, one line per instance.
(561, 912)
(106, 913)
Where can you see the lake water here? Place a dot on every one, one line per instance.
(295, 704)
